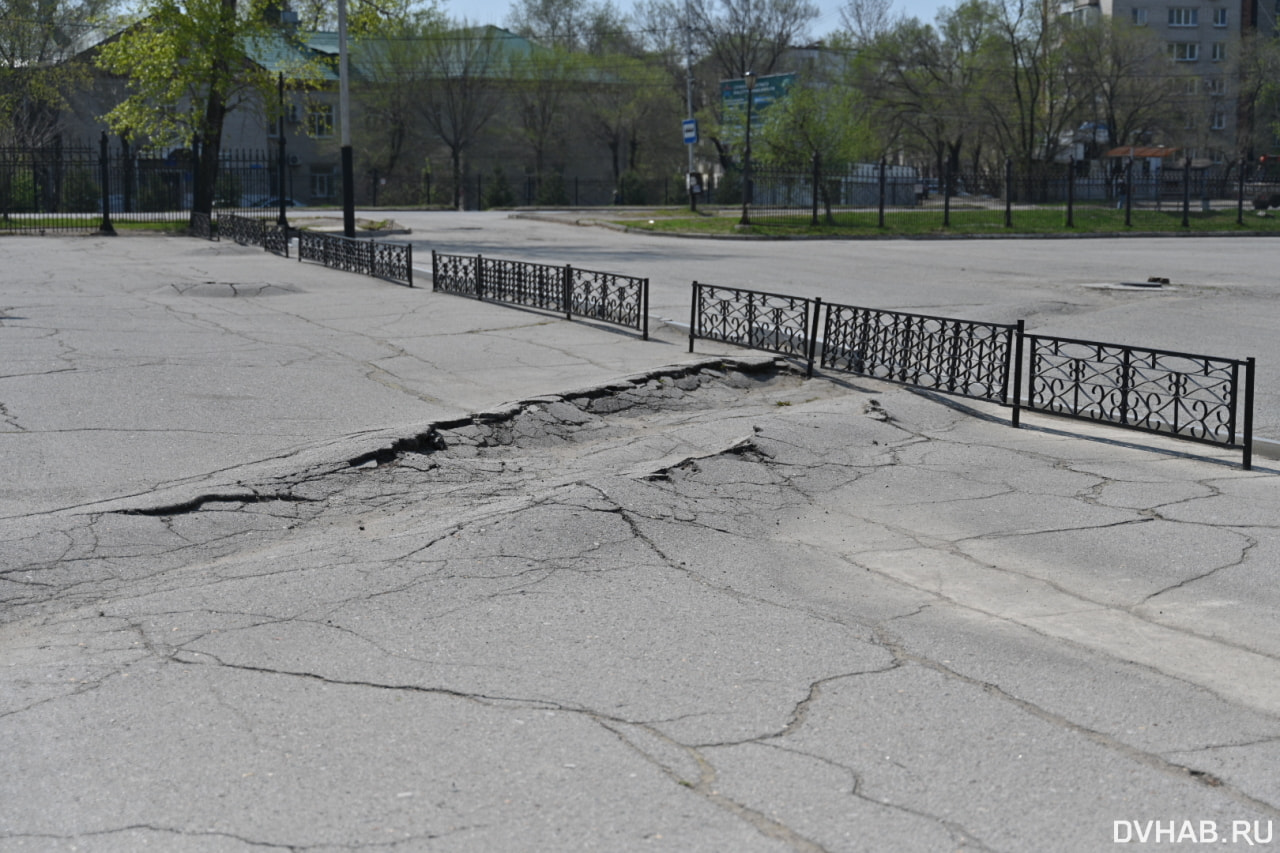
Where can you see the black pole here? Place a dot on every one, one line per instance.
(1128, 193)
(817, 176)
(882, 190)
(1071, 193)
(1186, 192)
(1008, 192)
(104, 169)
(282, 220)
(746, 167)
(946, 193)
(348, 193)
(1240, 195)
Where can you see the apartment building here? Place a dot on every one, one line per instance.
(1201, 38)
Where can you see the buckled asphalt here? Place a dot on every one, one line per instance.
(297, 559)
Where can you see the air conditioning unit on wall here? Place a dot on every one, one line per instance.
(293, 160)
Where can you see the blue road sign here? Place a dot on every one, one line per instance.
(690, 131)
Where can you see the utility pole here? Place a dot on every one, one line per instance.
(688, 92)
(344, 117)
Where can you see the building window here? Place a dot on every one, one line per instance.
(1184, 51)
(1190, 86)
(1220, 17)
(1139, 17)
(320, 120)
(1219, 51)
(1215, 86)
(1219, 120)
(322, 182)
(1184, 16)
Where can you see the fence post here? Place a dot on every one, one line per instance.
(479, 277)
(104, 171)
(882, 188)
(946, 193)
(1017, 372)
(1240, 196)
(1008, 192)
(1071, 192)
(644, 310)
(435, 271)
(1186, 192)
(693, 315)
(1128, 193)
(817, 176)
(566, 288)
(1248, 413)
(813, 335)
(408, 258)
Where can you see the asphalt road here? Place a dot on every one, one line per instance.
(300, 560)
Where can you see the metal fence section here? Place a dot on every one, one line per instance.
(752, 318)
(612, 298)
(50, 190)
(254, 232)
(1195, 397)
(609, 297)
(961, 357)
(393, 261)
(202, 226)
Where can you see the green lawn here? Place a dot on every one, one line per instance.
(922, 222)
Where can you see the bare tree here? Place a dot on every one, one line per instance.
(867, 20)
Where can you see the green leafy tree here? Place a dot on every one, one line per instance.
(38, 40)
(187, 66)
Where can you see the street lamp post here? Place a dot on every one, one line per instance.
(750, 80)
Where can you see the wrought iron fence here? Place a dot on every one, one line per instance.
(752, 318)
(612, 298)
(202, 226)
(78, 188)
(1048, 196)
(960, 357)
(254, 232)
(1194, 397)
(392, 261)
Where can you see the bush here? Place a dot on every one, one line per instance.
(552, 191)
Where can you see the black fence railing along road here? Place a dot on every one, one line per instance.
(1194, 397)
(612, 298)
(961, 357)
(248, 231)
(392, 261)
(753, 318)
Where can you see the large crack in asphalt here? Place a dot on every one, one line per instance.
(734, 483)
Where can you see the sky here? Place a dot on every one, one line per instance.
(495, 11)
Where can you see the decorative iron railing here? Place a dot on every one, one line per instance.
(752, 318)
(612, 298)
(939, 353)
(276, 240)
(242, 229)
(247, 231)
(392, 261)
(1195, 397)
(202, 226)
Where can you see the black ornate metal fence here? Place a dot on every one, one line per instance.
(753, 318)
(254, 232)
(1194, 397)
(960, 357)
(612, 298)
(202, 226)
(392, 261)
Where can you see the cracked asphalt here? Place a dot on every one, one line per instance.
(294, 559)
